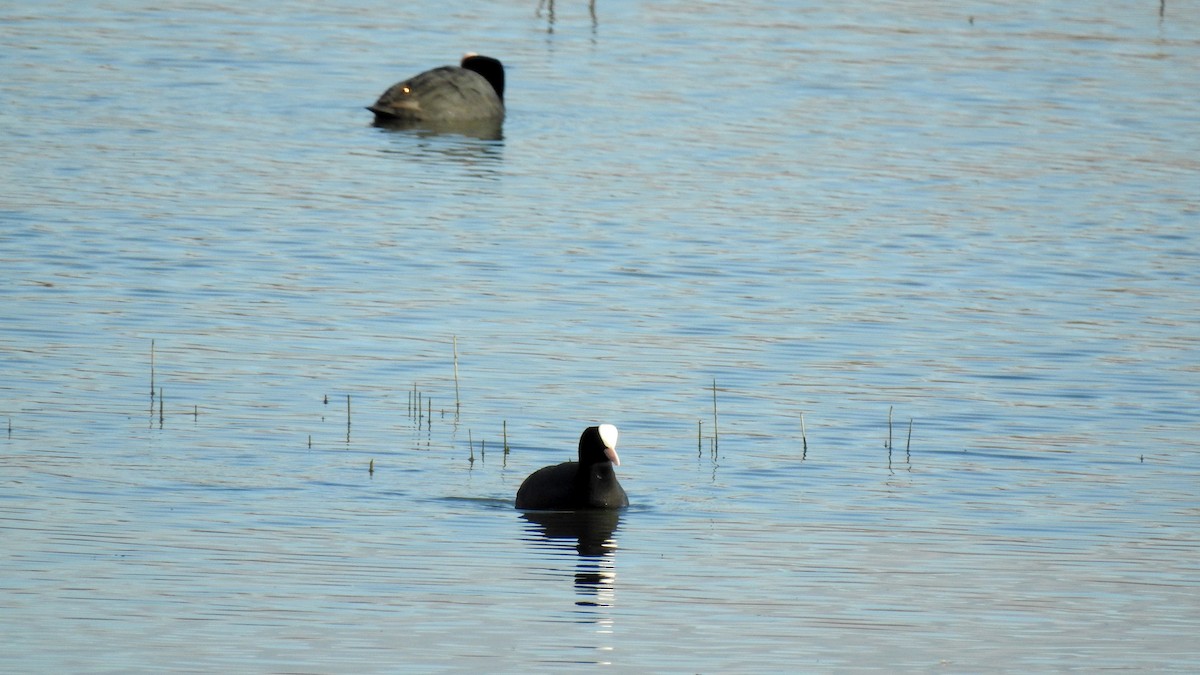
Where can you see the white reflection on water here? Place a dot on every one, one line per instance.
(592, 536)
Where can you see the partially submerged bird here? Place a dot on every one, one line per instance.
(589, 483)
(470, 93)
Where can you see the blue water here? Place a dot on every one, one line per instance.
(976, 219)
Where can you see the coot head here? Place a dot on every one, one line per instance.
(469, 93)
(589, 483)
(491, 70)
(599, 444)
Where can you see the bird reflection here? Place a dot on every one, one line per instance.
(592, 532)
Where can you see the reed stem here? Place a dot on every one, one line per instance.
(803, 435)
(456, 400)
(889, 442)
(715, 434)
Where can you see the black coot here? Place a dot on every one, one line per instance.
(589, 483)
(470, 93)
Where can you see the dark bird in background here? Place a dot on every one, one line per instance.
(468, 94)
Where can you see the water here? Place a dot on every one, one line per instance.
(979, 218)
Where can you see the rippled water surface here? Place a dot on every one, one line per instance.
(232, 314)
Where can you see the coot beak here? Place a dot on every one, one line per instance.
(611, 454)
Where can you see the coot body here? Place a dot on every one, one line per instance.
(589, 483)
(468, 93)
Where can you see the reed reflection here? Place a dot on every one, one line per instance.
(592, 532)
(548, 5)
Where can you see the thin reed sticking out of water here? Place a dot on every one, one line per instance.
(371, 468)
(456, 400)
(152, 371)
(715, 442)
(420, 407)
(504, 429)
(908, 442)
(803, 438)
(889, 440)
(482, 447)
(699, 437)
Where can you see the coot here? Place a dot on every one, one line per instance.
(589, 483)
(472, 92)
